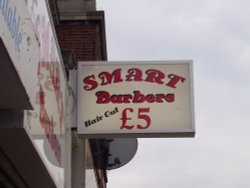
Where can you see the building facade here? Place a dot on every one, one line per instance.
(41, 42)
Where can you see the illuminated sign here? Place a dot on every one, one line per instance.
(136, 99)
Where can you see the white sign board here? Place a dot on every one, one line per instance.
(18, 34)
(135, 99)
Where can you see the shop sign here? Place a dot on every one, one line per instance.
(19, 37)
(47, 120)
(135, 99)
(29, 37)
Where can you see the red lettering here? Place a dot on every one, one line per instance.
(107, 78)
(134, 73)
(150, 98)
(170, 97)
(103, 97)
(159, 98)
(91, 83)
(116, 99)
(124, 119)
(154, 76)
(127, 98)
(141, 116)
(144, 117)
(138, 97)
(174, 79)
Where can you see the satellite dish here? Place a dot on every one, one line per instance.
(121, 151)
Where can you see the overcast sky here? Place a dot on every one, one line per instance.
(215, 34)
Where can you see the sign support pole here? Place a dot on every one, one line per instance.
(77, 150)
(78, 163)
(68, 158)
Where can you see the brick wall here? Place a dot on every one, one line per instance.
(83, 38)
(86, 39)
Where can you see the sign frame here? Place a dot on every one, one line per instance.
(161, 133)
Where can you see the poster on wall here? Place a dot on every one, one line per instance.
(135, 99)
(47, 120)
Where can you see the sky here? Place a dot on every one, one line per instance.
(215, 34)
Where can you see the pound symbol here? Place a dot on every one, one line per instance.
(124, 119)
